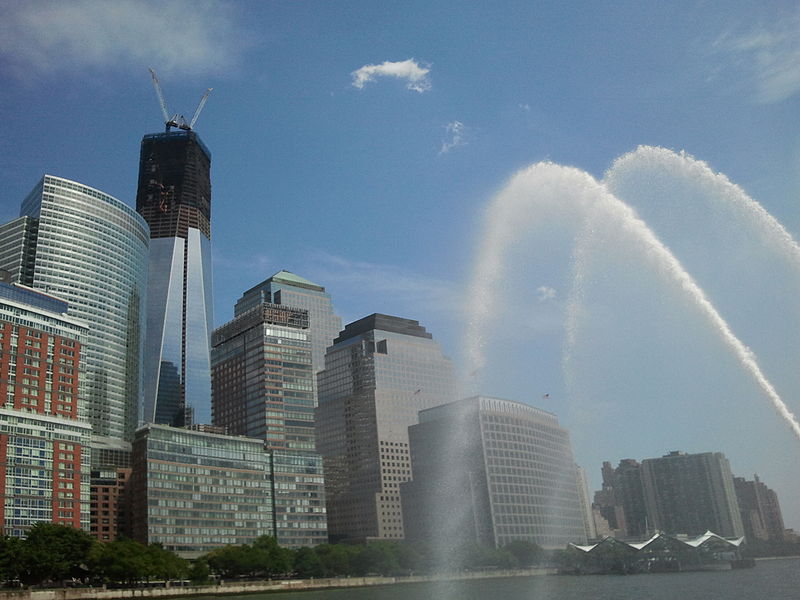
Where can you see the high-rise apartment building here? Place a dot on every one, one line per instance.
(760, 510)
(492, 471)
(691, 494)
(193, 491)
(44, 437)
(379, 373)
(262, 388)
(90, 249)
(174, 197)
(292, 290)
(621, 502)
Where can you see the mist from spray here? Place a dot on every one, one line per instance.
(547, 190)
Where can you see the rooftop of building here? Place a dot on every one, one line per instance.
(490, 404)
(177, 135)
(287, 278)
(32, 297)
(382, 322)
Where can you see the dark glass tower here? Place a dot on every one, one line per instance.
(174, 197)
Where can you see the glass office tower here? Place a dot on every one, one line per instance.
(90, 249)
(174, 197)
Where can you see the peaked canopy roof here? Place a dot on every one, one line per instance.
(692, 543)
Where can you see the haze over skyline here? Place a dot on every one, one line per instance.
(359, 144)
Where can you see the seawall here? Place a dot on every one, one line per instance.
(230, 588)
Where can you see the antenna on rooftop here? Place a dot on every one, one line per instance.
(177, 120)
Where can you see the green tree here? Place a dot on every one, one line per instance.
(165, 565)
(410, 557)
(199, 572)
(376, 557)
(272, 558)
(53, 553)
(336, 559)
(10, 548)
(308, 564)
(527, 553)
(230, 561)
(120, 561)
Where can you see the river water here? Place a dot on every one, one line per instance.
(770, 580)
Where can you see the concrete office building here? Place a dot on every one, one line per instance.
(492, 471)
(90, 249)
(379, 373)
(691, 494)
(262, 388)
(288, 289)
(44, 437)
(174, 197)
(193, 491)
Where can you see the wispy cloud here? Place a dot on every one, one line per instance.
(385, 287)
(455, 137)
(768, 57)
(545, 293)
(410, 70)
(43, 37)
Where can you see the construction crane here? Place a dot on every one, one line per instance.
(177, 120)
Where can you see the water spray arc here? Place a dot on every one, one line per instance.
(545, 189)
(650, 162)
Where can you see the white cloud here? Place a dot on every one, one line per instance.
(410, 70)
(768, 57)
(455, 137)
(525, 106)
(43, 37)
(544, 293)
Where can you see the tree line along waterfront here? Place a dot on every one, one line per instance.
(55, 555)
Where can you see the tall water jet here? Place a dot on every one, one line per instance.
(546, 189)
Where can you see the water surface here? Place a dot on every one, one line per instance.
(769, 580)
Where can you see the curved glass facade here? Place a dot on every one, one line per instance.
(92, 251)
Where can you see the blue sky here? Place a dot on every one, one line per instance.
(358, 144)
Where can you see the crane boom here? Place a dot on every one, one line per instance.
(176, 120)
(160, 94)
(200, 106)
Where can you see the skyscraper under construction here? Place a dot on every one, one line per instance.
(174, 197)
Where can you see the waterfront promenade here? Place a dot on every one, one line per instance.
(230, 588)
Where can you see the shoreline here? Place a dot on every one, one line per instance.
(239, 588)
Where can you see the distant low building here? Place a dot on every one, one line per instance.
(659, 553)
